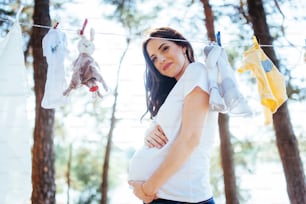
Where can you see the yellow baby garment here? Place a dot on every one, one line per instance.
(270, 82)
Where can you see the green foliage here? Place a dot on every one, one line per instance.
(86, 168)
(245, 154)
(130, 15)
(5, 12)
(85, 173)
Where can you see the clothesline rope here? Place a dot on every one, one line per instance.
(124, 35)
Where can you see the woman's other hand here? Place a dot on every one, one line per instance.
(155, 137)
(139, 191)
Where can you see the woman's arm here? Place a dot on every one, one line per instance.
(196, 107)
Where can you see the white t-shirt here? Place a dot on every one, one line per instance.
(191, 182)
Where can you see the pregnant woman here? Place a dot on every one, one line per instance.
(173, 166)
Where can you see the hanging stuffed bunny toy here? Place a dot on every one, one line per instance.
(225, 96)
(86, 70)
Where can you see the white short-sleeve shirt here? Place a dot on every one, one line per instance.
(191, 182)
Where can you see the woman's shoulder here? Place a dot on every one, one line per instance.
(195, 75)
(197, 64)
(196, 69)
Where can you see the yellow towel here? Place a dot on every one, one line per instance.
(270, 82)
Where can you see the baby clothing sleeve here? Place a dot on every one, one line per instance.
(270, 82)
(54, 49)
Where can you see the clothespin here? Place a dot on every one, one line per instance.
(84, 26)
(218, 37)
(256, 45)
(55, 26)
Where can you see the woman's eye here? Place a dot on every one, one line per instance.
(165, 48)
(153, 59)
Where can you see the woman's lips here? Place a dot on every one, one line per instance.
(166, 66)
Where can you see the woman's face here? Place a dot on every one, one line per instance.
(168, 57)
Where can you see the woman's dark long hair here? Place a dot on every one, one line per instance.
(158, 86)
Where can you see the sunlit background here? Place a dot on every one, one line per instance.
(82, 125)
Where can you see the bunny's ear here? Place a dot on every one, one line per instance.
(92, 34)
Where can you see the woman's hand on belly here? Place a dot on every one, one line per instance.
(155, 137)
(139, 192)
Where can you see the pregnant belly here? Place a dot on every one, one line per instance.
(144, 162)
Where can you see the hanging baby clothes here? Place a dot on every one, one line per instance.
(54, 49)
(270, 82)
(225, 96)
(15, 134)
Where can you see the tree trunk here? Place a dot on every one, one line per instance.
(285, 138)
(68, 174)
(43, 158)
(209, 20)
(226, 149)
(104, 185)
(228, 164)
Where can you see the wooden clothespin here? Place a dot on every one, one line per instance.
(255, 42)
(84, 26)
(55, 26)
